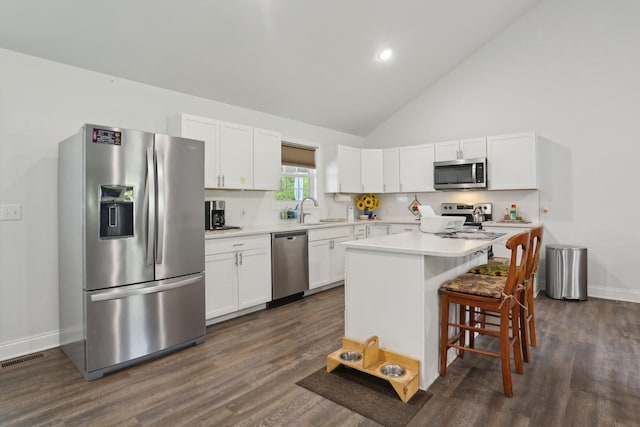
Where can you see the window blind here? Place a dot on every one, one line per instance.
(298, 155)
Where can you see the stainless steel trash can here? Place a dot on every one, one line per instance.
(566, 276)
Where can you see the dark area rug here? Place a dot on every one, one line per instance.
(365, 394)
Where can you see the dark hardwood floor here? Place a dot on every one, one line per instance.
(585, 372)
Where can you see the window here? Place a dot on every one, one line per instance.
(298, 173)
(296, 183)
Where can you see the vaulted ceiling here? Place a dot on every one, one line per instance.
(309, 60)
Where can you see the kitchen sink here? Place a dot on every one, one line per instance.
(333, 220)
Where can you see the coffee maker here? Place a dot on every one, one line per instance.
(214, 214)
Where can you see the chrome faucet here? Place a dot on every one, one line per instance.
(302, 214)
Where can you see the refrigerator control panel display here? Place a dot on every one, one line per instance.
(104, 136)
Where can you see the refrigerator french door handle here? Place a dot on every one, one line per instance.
(161, 206)
(154, 287)
(149, 200)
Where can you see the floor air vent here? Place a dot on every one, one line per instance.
(18, 360)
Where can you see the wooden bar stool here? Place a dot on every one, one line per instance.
(535, 243)
(488, 293)
(527, 314)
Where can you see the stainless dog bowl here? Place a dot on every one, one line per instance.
(350, 356)
(393, 371)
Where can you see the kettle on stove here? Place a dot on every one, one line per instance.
(478, 216)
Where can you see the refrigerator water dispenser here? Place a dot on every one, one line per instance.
(116, 211)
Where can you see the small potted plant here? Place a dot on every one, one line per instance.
(366, 204)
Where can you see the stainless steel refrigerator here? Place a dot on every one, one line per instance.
(131, 246)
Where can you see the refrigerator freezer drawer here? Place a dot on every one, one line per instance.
(131, 322)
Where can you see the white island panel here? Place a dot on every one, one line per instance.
(391, 290)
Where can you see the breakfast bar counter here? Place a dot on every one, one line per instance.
(391, 290)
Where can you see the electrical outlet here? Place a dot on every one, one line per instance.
(10, 212)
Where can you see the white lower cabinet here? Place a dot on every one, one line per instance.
(375, 230)
(221, 284)
(238, 274)
(364, 231)
(326, 255)
(360, 231)
(319, 262)
(402, 228)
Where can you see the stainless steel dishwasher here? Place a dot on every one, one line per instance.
(289, 264)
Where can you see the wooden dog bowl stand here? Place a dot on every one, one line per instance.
(373, 358)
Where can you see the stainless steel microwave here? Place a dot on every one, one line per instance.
(463, 174)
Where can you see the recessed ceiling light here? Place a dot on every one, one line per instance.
(385, 55)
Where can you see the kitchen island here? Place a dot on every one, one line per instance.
(391, 290)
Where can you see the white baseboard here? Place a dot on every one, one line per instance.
(17, 348)
(235, 314)
(616, 294)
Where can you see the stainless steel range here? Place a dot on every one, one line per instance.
(475, 214)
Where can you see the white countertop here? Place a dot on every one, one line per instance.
(510, 224)
(274, 228)
(419, 243)
(290, 226)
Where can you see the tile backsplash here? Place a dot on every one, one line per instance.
(258, 208)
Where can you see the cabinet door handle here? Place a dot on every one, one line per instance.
(223, 180)
(384, 188)
(240, 256)
(331, 244)
(236, 260)
(218, 180)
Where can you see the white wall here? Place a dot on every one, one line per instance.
(569, 70)
(43, 102)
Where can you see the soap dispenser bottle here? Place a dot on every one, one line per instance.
(513, 213)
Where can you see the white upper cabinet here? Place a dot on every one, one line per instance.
(236, 156)
(448, 150)
(512, 161)
(343, 172)
(416, 168)
(391, 170)
(203, 129)
(471, 148)
(372, 170)
(267, 159)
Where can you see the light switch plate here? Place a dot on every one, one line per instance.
(10, 212)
